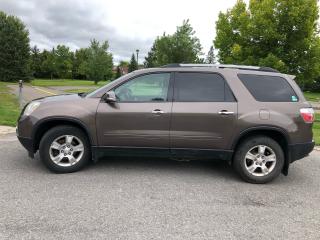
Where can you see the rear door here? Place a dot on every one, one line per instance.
(204, 112)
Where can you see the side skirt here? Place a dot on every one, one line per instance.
(176, 153)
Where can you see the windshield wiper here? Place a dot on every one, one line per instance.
(157, 99)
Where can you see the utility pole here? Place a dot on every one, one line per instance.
(137, 50)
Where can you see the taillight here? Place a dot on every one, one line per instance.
(307, 114)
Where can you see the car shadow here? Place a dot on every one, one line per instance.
(215, 169)
(218, 168)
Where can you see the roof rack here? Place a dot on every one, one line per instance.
(241, 67)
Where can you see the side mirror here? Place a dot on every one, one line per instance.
(110, 97)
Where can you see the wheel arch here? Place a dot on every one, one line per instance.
(276, 133)
(45, 124)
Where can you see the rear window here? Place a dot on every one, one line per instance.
(201, 87)
(268, 88)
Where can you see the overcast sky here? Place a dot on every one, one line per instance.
(126, 24)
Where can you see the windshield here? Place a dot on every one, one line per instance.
(92, 93)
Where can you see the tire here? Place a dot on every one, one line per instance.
(250, 161)
(65, 149)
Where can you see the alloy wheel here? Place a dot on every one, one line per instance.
(66, 150)
(260, 160)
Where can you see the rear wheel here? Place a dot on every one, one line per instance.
(259, 159)
(64, 149)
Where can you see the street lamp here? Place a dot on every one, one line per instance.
(137, 50)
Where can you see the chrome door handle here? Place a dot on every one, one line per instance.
(225, 112)
(157, 111)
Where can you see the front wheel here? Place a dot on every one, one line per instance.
(64, 149)
(259, 159)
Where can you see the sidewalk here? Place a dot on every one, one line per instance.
(6, 130)
(316, 106)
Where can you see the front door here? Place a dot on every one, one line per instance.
(141, 115)
(204, 112)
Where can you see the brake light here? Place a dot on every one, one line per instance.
(307, 114)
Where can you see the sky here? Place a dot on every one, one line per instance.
(127, 25)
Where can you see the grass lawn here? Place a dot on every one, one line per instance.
(312, 96)
(316, 129)
(65, 82)
(9, 106)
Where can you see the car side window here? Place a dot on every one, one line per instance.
(201, 87)
(147, 88)
(268, 88)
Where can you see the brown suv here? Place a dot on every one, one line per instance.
(254, 117)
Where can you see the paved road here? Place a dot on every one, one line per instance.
(29, 92)
(153, 199)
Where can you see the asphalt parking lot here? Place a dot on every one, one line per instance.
(153, 199)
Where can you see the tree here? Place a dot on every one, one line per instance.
(79, 63)
(63, 59)
(58, 62)
(100, 62)
(14, 49)
(123, 68)
(186, 47)
(180, 47)
(124, 64)
(49, 66)
(280, 34)
(210, 56)
(35, 62)
(118, 73)
(150, 59)
(133, 65)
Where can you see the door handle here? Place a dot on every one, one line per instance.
(225, 112)
(157, 112)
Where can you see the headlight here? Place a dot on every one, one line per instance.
(30, 108)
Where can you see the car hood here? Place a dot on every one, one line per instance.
(59, 98)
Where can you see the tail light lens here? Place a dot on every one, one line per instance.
(307, 114)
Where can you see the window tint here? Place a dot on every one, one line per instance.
(268, 88)
(146, 88)
(201, 87)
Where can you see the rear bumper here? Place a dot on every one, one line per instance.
(300, 150)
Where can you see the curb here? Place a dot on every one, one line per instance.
(316, 148)
(6, 130)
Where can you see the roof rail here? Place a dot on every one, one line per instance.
(241, 67)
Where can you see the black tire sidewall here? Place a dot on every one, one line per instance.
(239, 163)
(56, 132)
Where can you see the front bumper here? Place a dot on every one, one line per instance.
(300, 150)
(27, 143)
